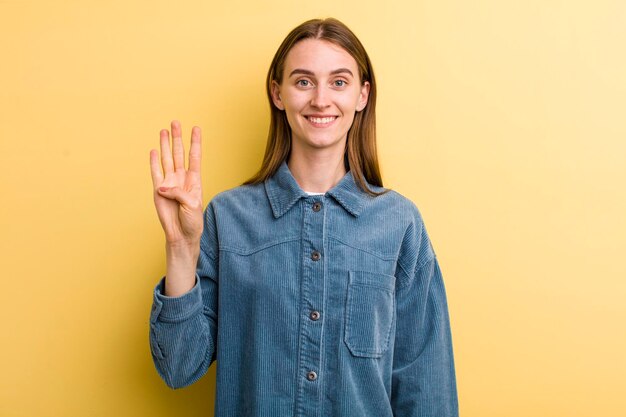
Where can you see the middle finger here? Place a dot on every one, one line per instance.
(166, 153)
(178, 151)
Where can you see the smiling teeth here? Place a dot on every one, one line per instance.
(322, 120)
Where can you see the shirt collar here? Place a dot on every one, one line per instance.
(283, 192)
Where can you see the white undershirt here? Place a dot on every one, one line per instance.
(311, 193)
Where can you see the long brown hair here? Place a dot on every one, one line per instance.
(361, 156)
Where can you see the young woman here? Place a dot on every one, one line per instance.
(315, 289)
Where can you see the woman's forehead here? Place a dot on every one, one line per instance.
(319, 56)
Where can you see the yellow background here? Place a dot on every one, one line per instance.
(503, 120)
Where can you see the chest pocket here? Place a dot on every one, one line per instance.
(370, 313)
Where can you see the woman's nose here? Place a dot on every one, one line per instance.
(320, 97)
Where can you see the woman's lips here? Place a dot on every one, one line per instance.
(321, 121)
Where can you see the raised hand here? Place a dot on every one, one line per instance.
(178, 192)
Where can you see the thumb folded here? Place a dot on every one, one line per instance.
(173, 193)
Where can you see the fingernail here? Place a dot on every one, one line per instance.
(163, 188)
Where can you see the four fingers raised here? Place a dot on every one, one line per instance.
(173, 158)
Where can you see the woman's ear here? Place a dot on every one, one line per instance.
(363, 96)
(276, 99)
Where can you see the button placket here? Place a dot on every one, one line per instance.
(312, 291)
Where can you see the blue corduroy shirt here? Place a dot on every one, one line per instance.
(312, 305)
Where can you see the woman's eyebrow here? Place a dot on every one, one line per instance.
(333, 72)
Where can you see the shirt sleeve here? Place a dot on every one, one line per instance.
(183, 329)
(423, 375)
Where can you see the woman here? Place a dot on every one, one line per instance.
(315, 289)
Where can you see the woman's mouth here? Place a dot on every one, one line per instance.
(321, 121)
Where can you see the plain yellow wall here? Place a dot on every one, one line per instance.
(503, 120)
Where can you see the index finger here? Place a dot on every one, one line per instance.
(195, 150)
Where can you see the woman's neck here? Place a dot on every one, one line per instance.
(316, 172)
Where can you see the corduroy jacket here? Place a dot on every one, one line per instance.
(312, 305)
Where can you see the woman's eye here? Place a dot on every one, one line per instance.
(340, 83)
(303, 83)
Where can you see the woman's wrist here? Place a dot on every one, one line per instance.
(182, 261)
(182, 250)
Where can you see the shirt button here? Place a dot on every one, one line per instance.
(317, 206)
(311, 376)
(315, 315)
(315, 255)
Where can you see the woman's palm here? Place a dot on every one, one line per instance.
(179, 207)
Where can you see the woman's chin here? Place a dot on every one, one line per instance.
(321, 142)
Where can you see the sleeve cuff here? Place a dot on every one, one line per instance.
(175, 309)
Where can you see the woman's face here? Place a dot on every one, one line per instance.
(320, 93)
